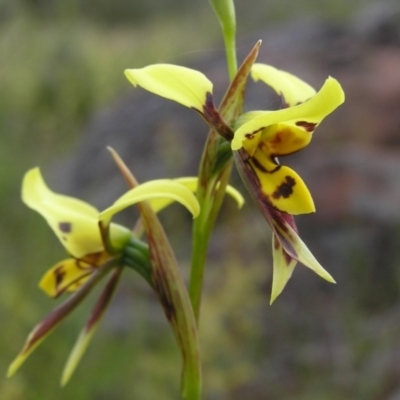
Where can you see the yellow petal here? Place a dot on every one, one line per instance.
(283, 268)
(306, 115)
(162, 189)
(293, 89)
(282, 139)
(183, 85)
(280, 186)
(67, 275)
(73, 221)
(300, 251)
(191, 183)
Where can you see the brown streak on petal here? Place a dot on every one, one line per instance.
(59, 275)
(277, 244)
(288, 259)
(261, 167)
(308, 126)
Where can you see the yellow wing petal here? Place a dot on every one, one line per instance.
(293, 89)
(191, 183)
(183, 85)
(162, 189)
(281, 186)
(73, 221)
(306, 115)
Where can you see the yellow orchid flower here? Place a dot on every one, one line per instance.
(263, 136)
(80, 228)
(76, 224)
(257, 139)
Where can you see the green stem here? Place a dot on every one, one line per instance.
(213, 169)
(230, 49)
(201, 238)
(225, 11)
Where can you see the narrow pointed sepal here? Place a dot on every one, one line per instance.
(283, 267)
(49, 323)
(232, 103)
(296, 249)
(183, 85)
(38, 334)
(90, 328)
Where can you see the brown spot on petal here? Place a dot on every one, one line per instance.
(308, 126)
(285, 189)
(59, 275)
(65, 227)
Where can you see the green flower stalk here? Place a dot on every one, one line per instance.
(225, 12)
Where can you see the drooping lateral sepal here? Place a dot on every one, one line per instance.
(91, 326)
(49, 323)
(283, 267)
(296, 248)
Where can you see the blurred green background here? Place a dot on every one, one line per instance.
(60, 61)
